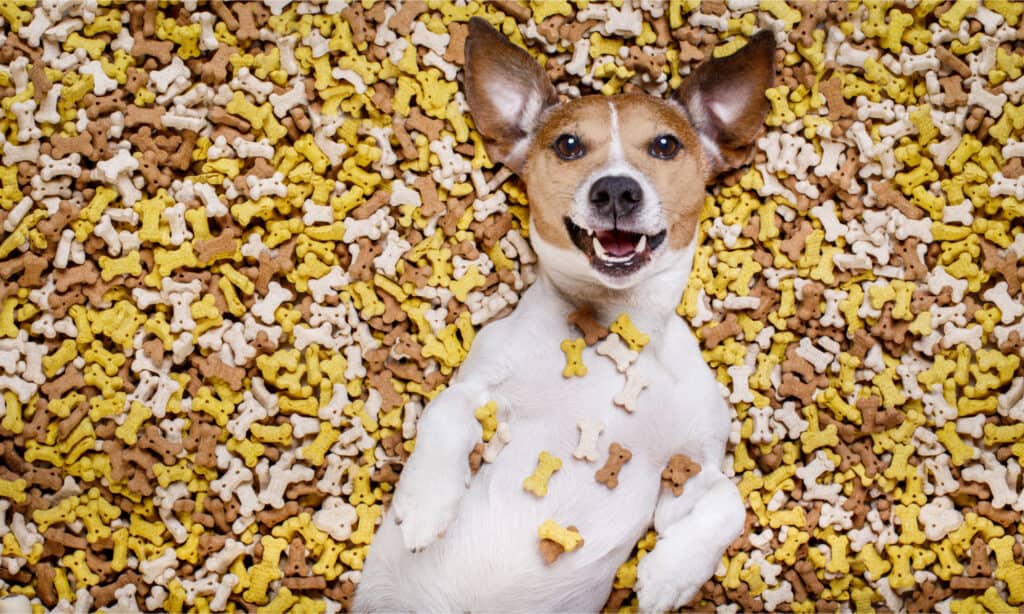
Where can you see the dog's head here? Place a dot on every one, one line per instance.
(616, 184)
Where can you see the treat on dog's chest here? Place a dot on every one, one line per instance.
(556, 540)
(617, 457)
(629, 333)
(583, 319)
(617, 351)
(547, 465)
(574, 366)
(487, 415)
(679, 470)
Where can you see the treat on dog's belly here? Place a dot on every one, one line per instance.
(537, 482)
(555, 540)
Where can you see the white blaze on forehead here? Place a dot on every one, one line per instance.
(615, 147)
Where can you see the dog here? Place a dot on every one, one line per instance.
(616, 186)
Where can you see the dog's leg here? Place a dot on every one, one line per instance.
(694, 529)
(436, 475)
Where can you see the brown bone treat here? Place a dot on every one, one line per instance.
(104, 595)
(583, 319)
(714, 334)
(813, 14)
(973, 584)
(929, 594)
(426, 125)
(617, 457)
(810, 301)
(408, 11)
(476, 457)
(1006, 518)
(148, 116)
(295, 564)
(515, 9)
(837, 106)
(432, 204)
(45, 590)
(798, 232)
(153, 440)
(1014, 168)
(381, 382)
(551, 550)
(1004, 265)
(151, 47)
(213, 366)
(456, 51)
(376, 200)
(361, 268)
(679, 471)
(272, 517)
(979, 565)
(307, 583)
(61, 146)
(914, 269)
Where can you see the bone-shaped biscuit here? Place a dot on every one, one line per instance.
(556, 540)
(679, 470)
(614, 348)
(574, 366)
(583, 319)
(635, 384)
(537, 483)
(617, 457)
(590, 430)
(629, 332)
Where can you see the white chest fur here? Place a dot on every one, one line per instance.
(519, 362)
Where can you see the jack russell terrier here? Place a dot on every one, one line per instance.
(616, 186)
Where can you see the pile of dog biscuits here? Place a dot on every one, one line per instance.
(244, 243)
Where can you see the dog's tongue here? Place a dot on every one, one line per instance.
(616, 242)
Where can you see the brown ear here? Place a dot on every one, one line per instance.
(726, 103)
(507, 91)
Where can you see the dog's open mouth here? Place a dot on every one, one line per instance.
(613, 251)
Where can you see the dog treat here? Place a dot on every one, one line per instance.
(590, 431)
(556, 540)
(226, 226)
(678, 471)
(617, 351)
(583, 319)
(609, 473)
(624, 327)
(537, 482)
(574, 366)
(626, 398)
(487, 416)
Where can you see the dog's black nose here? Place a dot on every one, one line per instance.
(616, 196)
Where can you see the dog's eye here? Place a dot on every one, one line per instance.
(664, 146)
(569, 147)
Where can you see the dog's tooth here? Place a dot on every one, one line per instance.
(641, 245)
(599, 249)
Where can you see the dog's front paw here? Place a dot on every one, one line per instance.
(425, 503)
(665, 582)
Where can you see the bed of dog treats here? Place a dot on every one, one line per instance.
(244, 243)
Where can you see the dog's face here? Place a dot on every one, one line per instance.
(616, 184)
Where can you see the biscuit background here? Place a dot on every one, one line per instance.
(244, 243)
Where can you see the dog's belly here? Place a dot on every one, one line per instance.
(489, 559)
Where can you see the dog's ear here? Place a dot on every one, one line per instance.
(507, 91)
(725, 99)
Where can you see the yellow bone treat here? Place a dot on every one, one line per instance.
(574, 366)
(625, 328)
(547, 465)
(556, 539)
